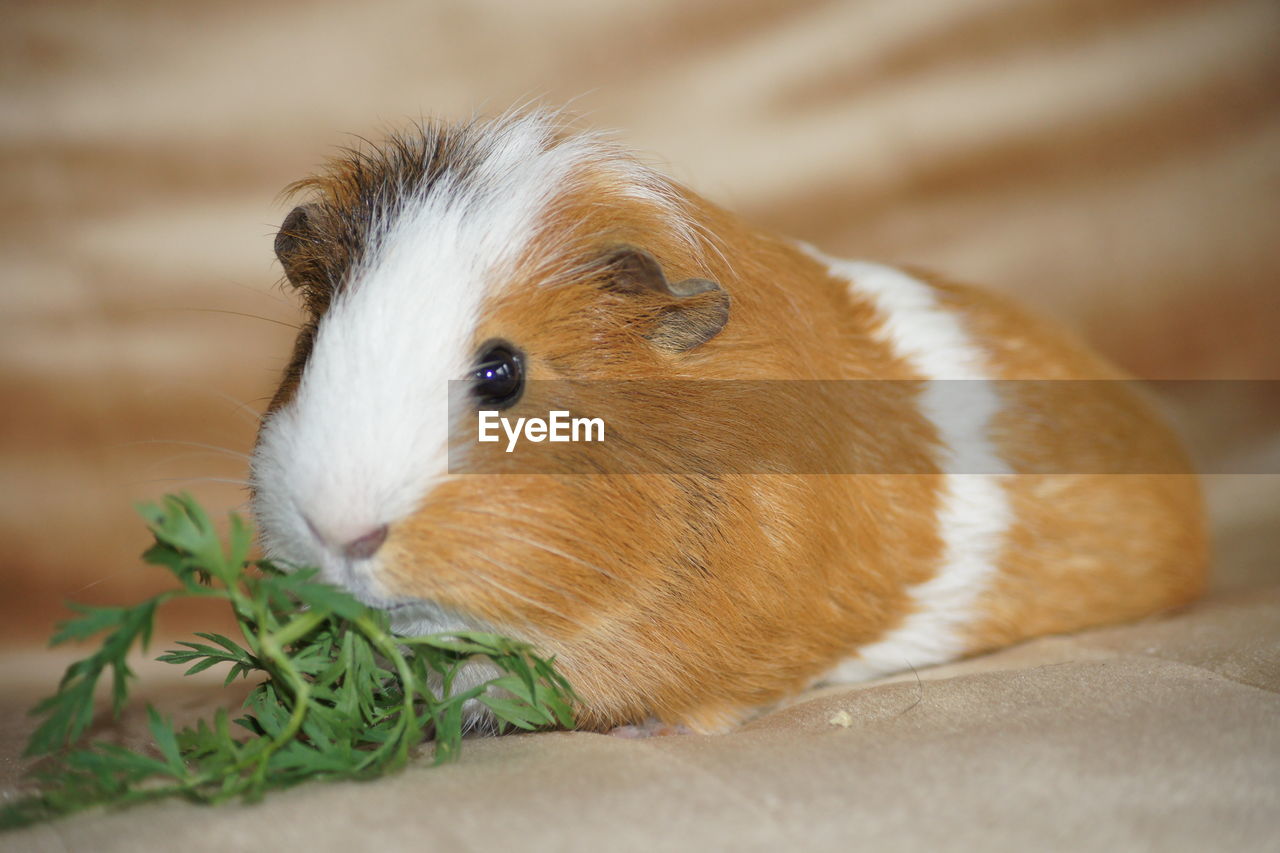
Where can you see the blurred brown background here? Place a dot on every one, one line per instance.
(1116, 163)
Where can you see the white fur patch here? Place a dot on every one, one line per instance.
(366, 436)
(974, 514)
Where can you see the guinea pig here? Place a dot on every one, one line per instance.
(496, 254)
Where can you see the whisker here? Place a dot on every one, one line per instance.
(639, 657)
(257, 291)
(244, 483)
(556, 588)
(247, 408)
(541, 545)
(617, 640)
(92, 584)
(161, 464)
(240, 405)
(212, 448)
(284, 323)
(488, 578)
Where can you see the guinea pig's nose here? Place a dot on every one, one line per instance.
(364, 547)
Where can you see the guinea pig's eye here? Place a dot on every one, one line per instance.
(498, 377)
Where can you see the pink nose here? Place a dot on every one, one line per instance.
(366, 546)
(362, 547)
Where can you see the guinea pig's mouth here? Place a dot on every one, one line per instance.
(358, 578)
(361, 583)
(377, 602)
(410, 616)
(415, 617)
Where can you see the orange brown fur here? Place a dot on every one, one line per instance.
(682, 599)
(1086, 548)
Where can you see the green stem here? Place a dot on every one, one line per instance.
(273, 649)
(408, 684)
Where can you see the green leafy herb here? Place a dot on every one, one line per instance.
(340, 696)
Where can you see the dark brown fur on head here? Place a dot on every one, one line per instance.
(359, 193)
(350, 202)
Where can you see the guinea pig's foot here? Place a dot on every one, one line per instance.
(650, 728)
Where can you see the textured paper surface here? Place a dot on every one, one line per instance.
(1162, 735)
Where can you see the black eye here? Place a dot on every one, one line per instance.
(498, 377)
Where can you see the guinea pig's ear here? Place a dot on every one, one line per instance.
(698, 307)
(297, 233)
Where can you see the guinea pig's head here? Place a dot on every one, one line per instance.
(474, 260)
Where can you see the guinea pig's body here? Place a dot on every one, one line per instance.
(695, 596)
